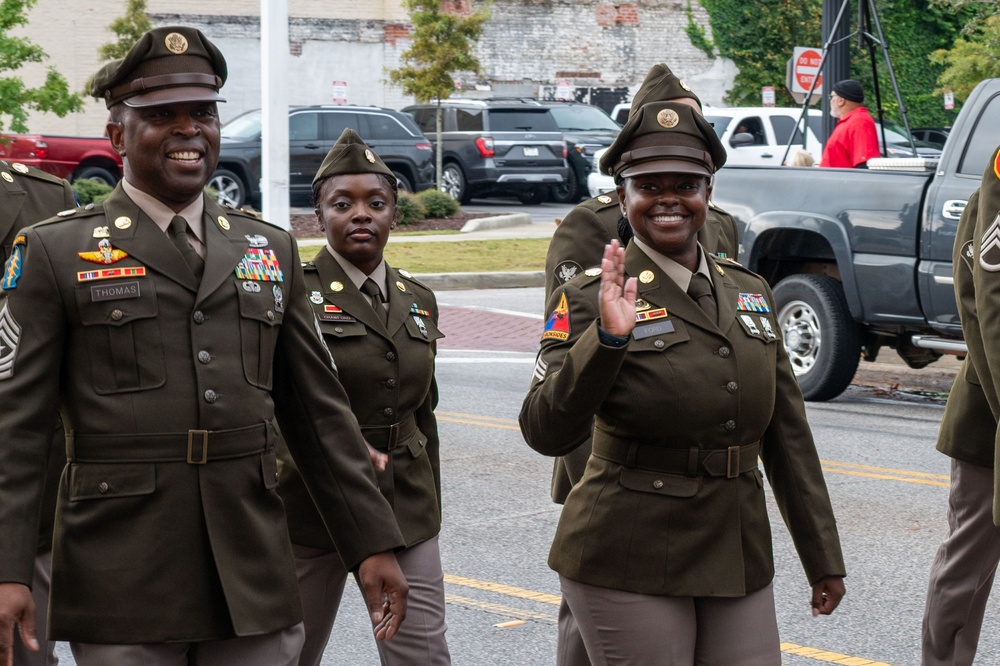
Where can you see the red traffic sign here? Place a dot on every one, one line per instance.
(805, 68)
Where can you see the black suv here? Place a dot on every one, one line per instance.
(496, 147)
(312, 131)
(586, 130)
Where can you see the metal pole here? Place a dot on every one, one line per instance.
(838, 58)
(274, 111)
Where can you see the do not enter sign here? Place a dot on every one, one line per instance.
(805, 68)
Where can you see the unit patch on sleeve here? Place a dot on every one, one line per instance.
(10, 335)
(567, 270)
(12, 269)
(557, 326)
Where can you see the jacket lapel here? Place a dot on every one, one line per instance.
(400, 301)
(663, 291)
(726, 294)
(347, 297)
(224, 248)
(133, 231)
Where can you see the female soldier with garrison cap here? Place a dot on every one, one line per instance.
(664, 549)
(381, 327)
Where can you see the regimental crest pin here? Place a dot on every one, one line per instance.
(315, 297)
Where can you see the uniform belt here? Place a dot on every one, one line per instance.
(729, 463)
(195, 447)
(386, 438)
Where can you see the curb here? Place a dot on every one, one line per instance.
(498, 280)
(496, 222)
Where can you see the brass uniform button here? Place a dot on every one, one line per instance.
(658, 484)
(390, 383)
(211, 396)
(204, 357)
(659, 344)
(104, 487)
(388, 411)
(198, 316)
(269, 315)
(391, 356)
(116, 315)
(724, 352)
(339, 329)
(731, 387)
(730, 425)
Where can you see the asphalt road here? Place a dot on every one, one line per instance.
(887, 483)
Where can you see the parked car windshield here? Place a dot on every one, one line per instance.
(582, 119)
(516, 120)
(243, 128)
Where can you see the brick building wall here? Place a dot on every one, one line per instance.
(526, 49)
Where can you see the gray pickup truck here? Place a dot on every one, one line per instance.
(861, 259)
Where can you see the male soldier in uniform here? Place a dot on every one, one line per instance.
(30, 195)
(577, 244)
(171, 333)
(962, 574)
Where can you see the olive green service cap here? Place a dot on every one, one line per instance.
(661, 85)
(664, 137)
(351, 155)
(167, 65)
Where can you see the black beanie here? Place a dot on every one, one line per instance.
(850, 90)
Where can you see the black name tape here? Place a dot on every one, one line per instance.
(112, 292)
(654, 328)
(325, 316)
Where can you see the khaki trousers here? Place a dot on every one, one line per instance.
(420, 639)
(46, 655)
(280, 648)
(570, 650)
(628, 629)
(963, 570)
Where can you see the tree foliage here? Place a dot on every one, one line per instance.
(17, 99)
(127, 29)
(971, 59)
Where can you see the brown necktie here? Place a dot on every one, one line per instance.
(179, 236)
(700, 289)
(371, 290)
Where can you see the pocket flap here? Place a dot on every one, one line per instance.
(108, 480)
(265, 305)
(422, 328)
(658, 335)
(417, 444)
(660, 483)
(343, 329)
(269, 469)
(116, 303)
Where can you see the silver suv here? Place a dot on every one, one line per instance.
(496, 147)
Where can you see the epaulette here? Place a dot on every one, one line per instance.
(79, 213)
(37, 174)
(409, 276)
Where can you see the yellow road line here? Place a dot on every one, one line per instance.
(831, 657)
(477, 417)
(508, 590)
(498, 609)
(869, 468)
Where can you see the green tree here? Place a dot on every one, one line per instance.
(127, 29)
(971, 59)
(441, 47)
(17, 99)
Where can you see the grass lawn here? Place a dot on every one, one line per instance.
(462, 256)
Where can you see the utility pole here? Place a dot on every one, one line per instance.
(838, 61)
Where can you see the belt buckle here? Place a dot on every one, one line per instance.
(393, 437)
(732, 462)
(193, 437)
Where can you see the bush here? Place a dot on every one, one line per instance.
(438, 203)
(91, 190)
(410, 208)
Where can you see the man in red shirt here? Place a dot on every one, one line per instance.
(854, 140)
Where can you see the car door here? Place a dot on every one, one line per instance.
(786, 126)
(305, 153)
(762, 151)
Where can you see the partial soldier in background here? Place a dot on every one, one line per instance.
(578, 244)
(31, 195)
(966, 562)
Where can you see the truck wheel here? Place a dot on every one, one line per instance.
(534, 196)
(97, 173)
(453, 183)
(229, 187)
(568, 191)
(822, 339)
(402, 182)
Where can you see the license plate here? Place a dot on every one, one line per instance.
(531, 152)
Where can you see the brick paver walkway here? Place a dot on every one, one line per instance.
(469, 328)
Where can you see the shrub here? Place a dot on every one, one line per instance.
(91, 190)
(438, 203)
(410, 208)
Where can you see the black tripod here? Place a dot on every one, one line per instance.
(870, 36)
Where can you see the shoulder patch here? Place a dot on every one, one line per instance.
(12, 269)
(557, 326)
(567, 270)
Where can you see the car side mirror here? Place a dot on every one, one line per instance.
(741, 139)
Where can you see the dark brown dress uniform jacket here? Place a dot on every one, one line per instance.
(30, 196)
(577, 244)
(388, 373)
(668, 408)
(151, 545)
(969, 426)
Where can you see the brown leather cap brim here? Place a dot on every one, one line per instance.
(174, 95)
(665, 166)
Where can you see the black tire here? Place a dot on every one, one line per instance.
(229, 187)
(453, 183)
(403, 182)
(568, 191)
(97, 173)
(534, 196)
(822, 339)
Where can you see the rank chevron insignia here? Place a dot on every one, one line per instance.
(989, 250)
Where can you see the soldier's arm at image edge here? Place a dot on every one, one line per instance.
(579, 239)
(323, 435)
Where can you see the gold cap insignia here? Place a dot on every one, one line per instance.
(123, 222)
(604, 199)
(6, 176)
(176, 43)
(369, 155)
(223, 222)
(336, 286)
(668, 118)
(592, 272)
(18, 167)
(400, 286)
(646, 277)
